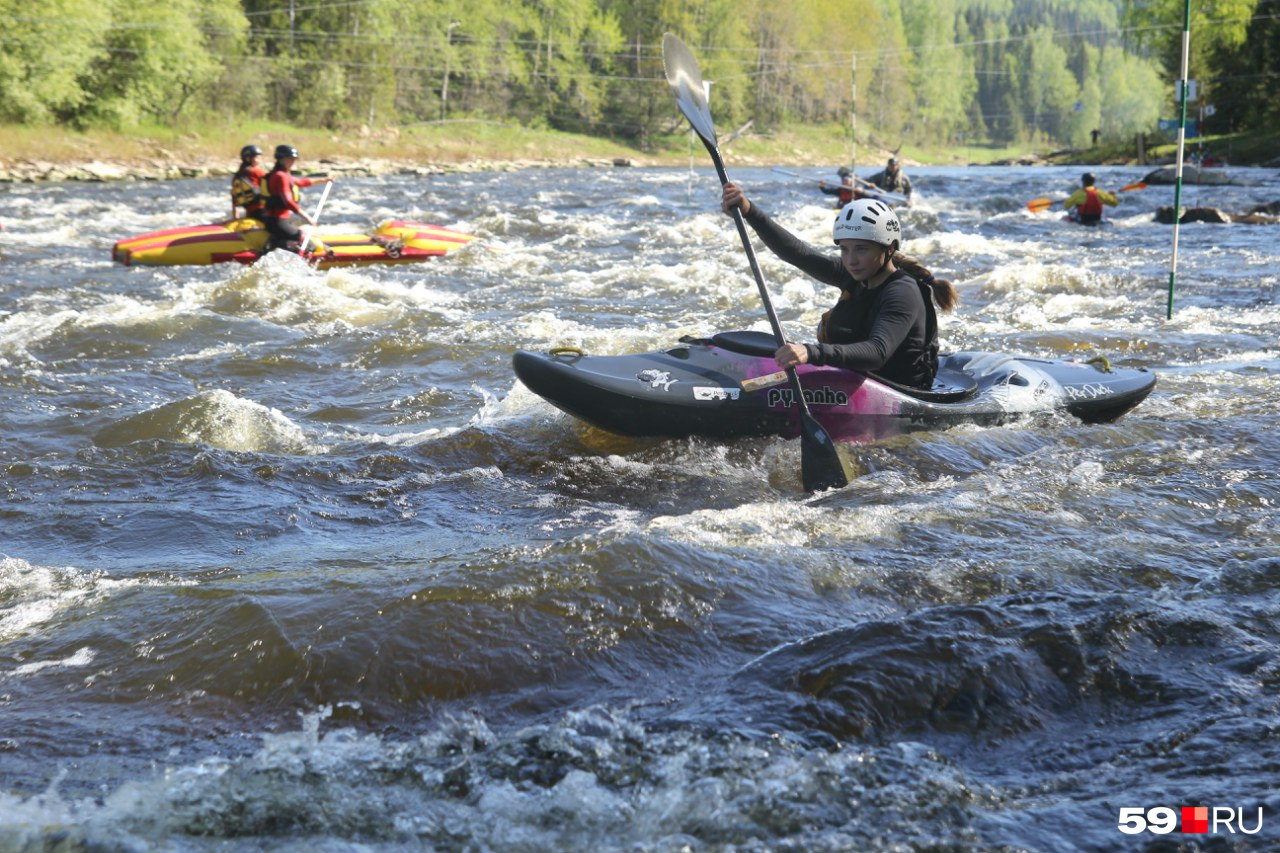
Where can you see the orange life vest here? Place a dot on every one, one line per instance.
(246, 187)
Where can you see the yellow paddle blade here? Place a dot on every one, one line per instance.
(1038, 204)
(1136, 185)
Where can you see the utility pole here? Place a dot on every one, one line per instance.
(853, 112)
(448, 55)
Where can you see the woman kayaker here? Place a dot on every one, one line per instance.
(246, 184)
(884, 321)
(282, 200)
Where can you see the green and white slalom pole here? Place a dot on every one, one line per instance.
(1182, 143)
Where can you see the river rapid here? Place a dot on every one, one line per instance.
(290, 561)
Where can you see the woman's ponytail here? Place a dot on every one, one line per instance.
(944, 293)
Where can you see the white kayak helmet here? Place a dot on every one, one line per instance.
(868, 219)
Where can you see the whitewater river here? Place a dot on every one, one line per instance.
(290, 561)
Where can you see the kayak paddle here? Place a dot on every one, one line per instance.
(821, 466)
(1036, 205)
(863, 181)
(885, 193)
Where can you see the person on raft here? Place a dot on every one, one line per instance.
(1088, 201)
(885, 320)
(282, 200)
(892, 179)
(246, 184)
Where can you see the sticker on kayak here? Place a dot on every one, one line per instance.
(824, 396)
(764, 381)
(657, 378)
(702, 392)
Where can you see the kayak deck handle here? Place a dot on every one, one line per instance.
(1102, 363)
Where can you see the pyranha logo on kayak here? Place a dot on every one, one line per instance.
(824, 396)
(656, 378)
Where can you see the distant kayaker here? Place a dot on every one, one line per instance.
(893, 179)
(885, 319)
(1088, 201)
(247, 183)
(282, 200)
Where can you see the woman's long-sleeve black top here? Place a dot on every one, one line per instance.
(883, 329)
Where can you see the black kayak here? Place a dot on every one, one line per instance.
(729, 386)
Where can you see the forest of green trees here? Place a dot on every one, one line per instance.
(994, 71)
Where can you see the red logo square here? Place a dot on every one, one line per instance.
(1195, 819)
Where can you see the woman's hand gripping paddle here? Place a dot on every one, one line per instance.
(821, 466)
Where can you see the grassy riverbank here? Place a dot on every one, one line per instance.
(453, 144)
(483, 144)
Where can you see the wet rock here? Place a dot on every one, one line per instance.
(1190, 175)
(1164, 215)
(1257, 218)
(98, 171)
(1024, 160)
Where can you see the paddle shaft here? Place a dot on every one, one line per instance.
(741, 224)
(324, 195)
(821, 466)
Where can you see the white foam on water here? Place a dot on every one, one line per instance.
(36, 597)
(81, 657)
(217, 418)
(283, 289)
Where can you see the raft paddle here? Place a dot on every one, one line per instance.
(821, 466)
(306, 243)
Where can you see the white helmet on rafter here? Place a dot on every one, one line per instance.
(868, 219)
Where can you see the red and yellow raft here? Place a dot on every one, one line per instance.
(244, 240)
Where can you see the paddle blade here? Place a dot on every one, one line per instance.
(1136, 185)
(821, 465)
(1038, 204)
(686, 84)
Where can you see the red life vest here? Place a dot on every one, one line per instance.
(282, 188)
(1092, 204)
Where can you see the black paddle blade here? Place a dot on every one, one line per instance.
(821, 465)
(686, 83)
